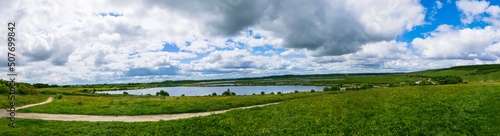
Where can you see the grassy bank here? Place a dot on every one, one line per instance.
(142, 105)
(466, 109)
(22, 100)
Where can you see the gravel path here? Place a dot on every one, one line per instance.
(96, 118)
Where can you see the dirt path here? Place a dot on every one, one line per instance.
(36, 104)
(430, 80)
(4, 113)
(95, 118)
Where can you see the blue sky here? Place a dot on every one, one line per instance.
(448, 14)
(94, 41)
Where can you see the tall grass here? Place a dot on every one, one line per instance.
(140, 105)
(470, 109)
(22, 100)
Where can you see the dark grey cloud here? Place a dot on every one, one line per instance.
(56, 51)
(326, 27)
(233, 16)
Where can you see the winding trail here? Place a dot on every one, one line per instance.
(96, 118)
(36, 104)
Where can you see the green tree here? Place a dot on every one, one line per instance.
(326, 89)
(162, 93)
(4, 89)
(26, 89)
(227, 93)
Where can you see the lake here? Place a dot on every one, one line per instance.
(201, 91)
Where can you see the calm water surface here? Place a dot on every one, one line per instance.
(200, 91)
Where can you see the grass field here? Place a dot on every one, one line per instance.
(72, 90)
(22, 100)
(142, 105)
(464, 109)
(480, 73)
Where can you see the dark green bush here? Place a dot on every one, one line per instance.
(162, 93)
(326, 89)
(448, 79)
(228, 93)
(59, 96)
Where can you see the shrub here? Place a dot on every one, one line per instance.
(214, 94)
(228, 93)
(58, 96)
(26, 89)
(272, 93)
(296, 91)
(279, 92)
(162, 93)
(233, 93)
(366, 86)
(312, 91)
(253, 94)
(4, 89)
(326, 89)
(183, 95)
(448, 79)
(125, 93)
(262, 93)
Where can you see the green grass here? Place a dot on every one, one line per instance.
(480, 73)
(71, 90)
(470, 109)
(140, 105)
(22, 100)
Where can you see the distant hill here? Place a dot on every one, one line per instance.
(470, 73)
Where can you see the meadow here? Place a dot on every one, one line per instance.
(463, 109)
(74, 90)
(22, 99)
(394, 107)
(147, 105)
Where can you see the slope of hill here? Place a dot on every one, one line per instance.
(470, 73)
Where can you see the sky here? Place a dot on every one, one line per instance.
(122, 41)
